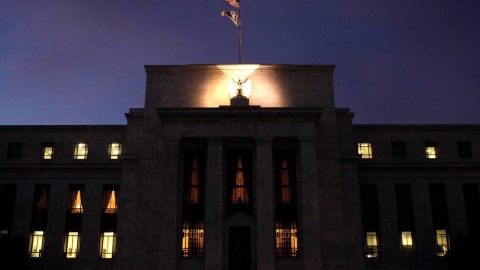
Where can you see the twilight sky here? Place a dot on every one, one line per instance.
(397, 61)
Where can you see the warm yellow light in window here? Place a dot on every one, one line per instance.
(77, 204)
(48, 152)
(442, 243)
(36, 244)
(431, 152)
(81, 151)
(107, 245)
(372, 245)
(72, 244)
(365, 149)
(286, 239)
(112, 203)
(115, 150)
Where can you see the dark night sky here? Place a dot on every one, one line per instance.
(397, 62)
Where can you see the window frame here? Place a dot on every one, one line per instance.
(111, 148)
(75, 192)
(406, 238)
(71, 240)
(362, 146)
(286, 239)
(108, 239)
(429, 147)
(35, 238)
(442, 242)
(193, 239)
(80, 156)
(44, 154)
(372, 250)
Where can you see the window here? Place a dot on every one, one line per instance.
(399, 150)
(37, 241)
(47, 150)
(192, 239)
(371, 244)
(107, 245)
(240, 191)
(193, 207)
(75, 199)
(114, 150)
(239, 181)
(3, 233)
(431, 150)
(442, 243)
(110, 198)
(192, 183)
(14, 150)
(464, 150)
(286, 239)
(81, 151)
(286, 184)
(371, 220)
(407, 247)
(365, 149)
(41, 197)
(71, 246)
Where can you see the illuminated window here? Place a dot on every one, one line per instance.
(239, 191)
(75, 200)
(286, 239)
(71, 246)
(110, 198)
(107, 245)
(192, 185)
(37, 241)
(442, 243)
(365, 149)
(14, 150)
(407, 248)
(371, 244)
(114, 150)
(431, 150)
(47, 150)
(41, 198)
(192, 239)
(81, 151)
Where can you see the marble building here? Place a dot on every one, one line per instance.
(246, 167)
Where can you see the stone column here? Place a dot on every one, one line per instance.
(309, 221)
(167, 231)
(214, 255)
(265, 207)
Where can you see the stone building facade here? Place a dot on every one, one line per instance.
(239, 167)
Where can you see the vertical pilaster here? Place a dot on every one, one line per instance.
(265, 207)
(167, 232)
(214, 257)
(309, 204)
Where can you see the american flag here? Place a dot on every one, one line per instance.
(234, 3)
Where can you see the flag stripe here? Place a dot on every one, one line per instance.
(233, 3)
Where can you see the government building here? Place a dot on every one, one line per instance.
(239, 167)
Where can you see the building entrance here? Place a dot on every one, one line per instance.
(239, 248)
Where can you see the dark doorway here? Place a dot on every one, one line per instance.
(239, 248)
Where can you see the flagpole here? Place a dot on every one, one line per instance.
(239, 34)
